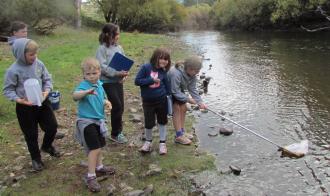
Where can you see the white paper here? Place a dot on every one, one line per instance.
(33, 91)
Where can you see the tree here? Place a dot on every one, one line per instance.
(77, 17)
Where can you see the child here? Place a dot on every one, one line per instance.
(91, 127)
(112, 80)
(152, 79)
(182, 79)
(18, 30)
(28, 66)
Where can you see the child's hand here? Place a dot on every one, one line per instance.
(156, 80)
(24, 102)
(44, 95)
(202, 106)
(192, 101)
(123, 79)
(108, 104)
(91, 91)
(122, 73)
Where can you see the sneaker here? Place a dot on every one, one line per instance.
(37, 165)
(182, 140)
(146, 147)
(51, 151)
(104, 171)
(92, 184)
(162, 149)
(121, 139)
(189, 136)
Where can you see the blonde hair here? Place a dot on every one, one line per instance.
(31, 46)
(90, 63)
(192, 62)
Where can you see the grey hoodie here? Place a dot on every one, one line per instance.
(19, 71)
(12, 39)
(104, 56)
(180, 82)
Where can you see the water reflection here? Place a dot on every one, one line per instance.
(277, 85)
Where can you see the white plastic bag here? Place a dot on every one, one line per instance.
(301, 148)
(33, 91)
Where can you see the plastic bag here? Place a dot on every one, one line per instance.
(33, 91)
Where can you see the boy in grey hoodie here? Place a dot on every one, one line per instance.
(182, 77)
(25, 67)
(18, 30)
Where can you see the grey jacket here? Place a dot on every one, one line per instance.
(82, 123)
(104, 55)
(180, 82)
(19, 71)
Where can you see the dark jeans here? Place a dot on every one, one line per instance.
(29, 117)
(115, 94)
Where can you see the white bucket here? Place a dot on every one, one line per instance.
(33, 91)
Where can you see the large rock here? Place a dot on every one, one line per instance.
(225, 131)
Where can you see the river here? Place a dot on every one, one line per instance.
(277, 84)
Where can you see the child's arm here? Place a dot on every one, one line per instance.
(9, 89)
(77, 95)
(196, 98)
(143, 79)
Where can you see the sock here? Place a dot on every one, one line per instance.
(162, 132)
(148, 134)
(179, 133)
(99, 167)
(91, 175)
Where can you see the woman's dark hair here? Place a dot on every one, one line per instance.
(161, 53)
(108, 34)
(17, 25)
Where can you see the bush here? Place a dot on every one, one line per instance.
(35, 12)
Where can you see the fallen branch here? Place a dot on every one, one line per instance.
(323, 13)
(314, 30)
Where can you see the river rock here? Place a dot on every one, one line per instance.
(136, 118)
(213, 133)
(148, 189)
(225, 131)
(236, 170)
(153, 170)
(135, 193)
(133, 110)
(111, 189)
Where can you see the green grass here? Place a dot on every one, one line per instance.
(62, 54)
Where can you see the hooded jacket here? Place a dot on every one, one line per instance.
(180, 82)
(20, 71)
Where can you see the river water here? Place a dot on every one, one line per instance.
(277, 84)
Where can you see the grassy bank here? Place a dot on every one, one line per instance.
(62, 54)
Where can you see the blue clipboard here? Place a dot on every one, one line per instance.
(120, 62)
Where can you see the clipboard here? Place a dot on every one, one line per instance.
(120, 62)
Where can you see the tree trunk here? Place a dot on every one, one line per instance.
(77, 18)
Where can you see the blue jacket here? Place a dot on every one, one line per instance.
(150, 91)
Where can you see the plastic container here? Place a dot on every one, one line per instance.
(54, 97)
(33, 91)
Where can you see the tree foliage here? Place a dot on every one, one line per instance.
(33, 12)
(252, 14)
(143, 15)
(198, 17)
